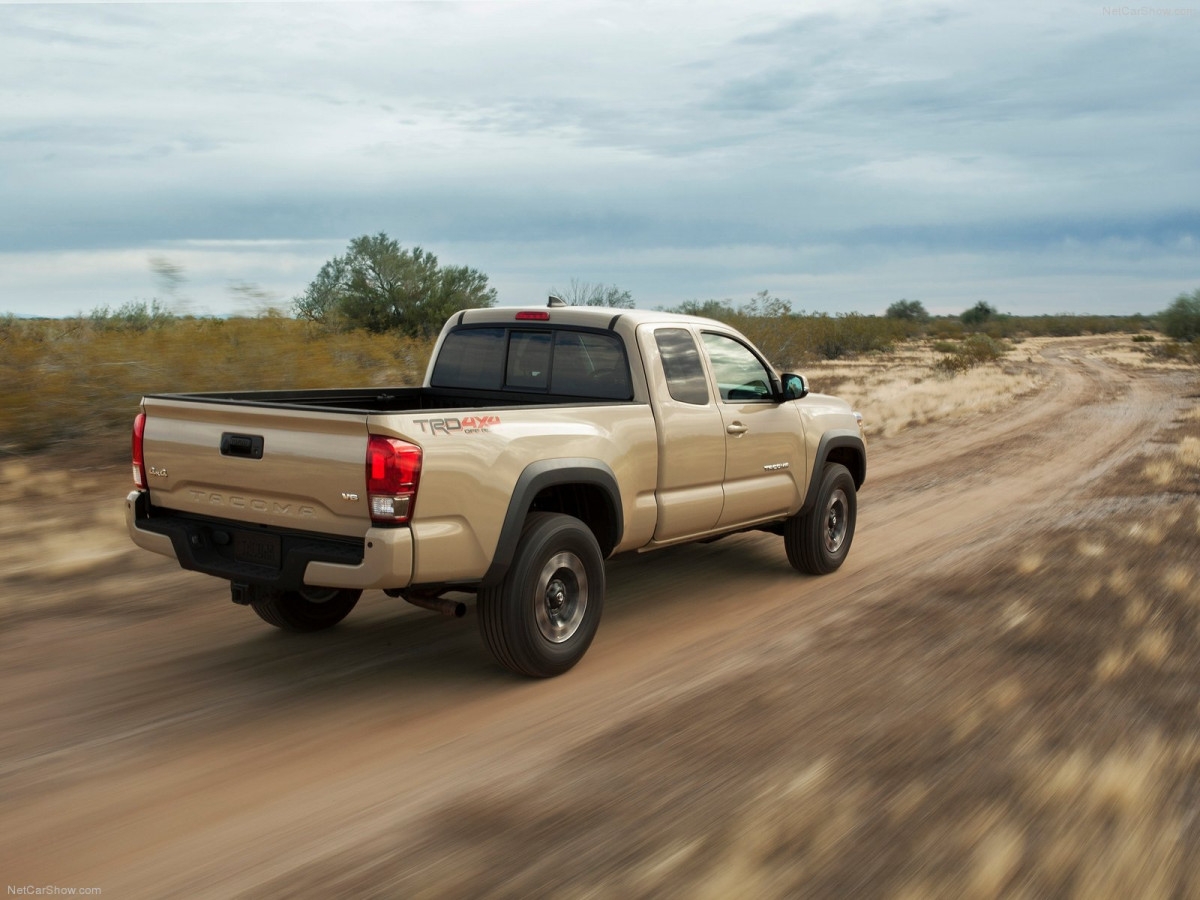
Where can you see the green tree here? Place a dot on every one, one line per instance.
(1181, 320)
(908, 311)
(585, 293)
(978, 314)
(378, 286)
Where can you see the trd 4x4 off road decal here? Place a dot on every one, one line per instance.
(469, 425)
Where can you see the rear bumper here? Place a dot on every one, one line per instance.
(381, 559)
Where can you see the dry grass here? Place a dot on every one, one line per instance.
(1178, 466)
(1148, 356)
(898, 390)
(70, 383)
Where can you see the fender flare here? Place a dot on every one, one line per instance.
(537, 477)
(834, 440)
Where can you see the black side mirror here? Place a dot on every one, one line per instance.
(794, 387)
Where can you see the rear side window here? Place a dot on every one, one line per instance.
(571, 363)
(682, 366)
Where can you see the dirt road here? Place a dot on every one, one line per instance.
(157, 741)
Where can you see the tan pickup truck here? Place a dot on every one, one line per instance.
(543, 441)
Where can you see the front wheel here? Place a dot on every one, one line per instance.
(818, 540)
(308, 609)
(542, 617)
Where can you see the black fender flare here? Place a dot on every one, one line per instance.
(537, 477)
(830, 441)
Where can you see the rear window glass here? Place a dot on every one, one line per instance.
(562, 362)
(528, 360)
(471, 359)
(590, 365)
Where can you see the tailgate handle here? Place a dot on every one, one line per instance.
(247, 445)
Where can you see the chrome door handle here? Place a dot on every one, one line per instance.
(737, 428)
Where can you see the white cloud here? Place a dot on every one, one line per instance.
(647, 143)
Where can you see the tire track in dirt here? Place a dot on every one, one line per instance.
(200, 755)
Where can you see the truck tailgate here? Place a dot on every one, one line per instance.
(295, 469)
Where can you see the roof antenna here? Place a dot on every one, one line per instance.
(556, 302)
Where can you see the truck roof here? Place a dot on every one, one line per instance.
(588, 316)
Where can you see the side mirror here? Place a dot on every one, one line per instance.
(794, 387)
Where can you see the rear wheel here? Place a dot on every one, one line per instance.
(542, 617)
(308, 609)
(818, 540)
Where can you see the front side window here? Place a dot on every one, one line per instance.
(739, 373)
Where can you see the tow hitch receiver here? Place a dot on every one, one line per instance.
(245, 594)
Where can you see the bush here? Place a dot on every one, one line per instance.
(978, 314)
(975, 350)
(1182, 318)
(1143, 338)
(1179, 351)
(908, 310)
(131, 317)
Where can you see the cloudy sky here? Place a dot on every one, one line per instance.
(1044, 157)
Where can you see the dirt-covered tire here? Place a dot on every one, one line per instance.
(818, 540)
(541, 618)
(309, 609)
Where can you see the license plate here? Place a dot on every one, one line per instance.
(259, 549)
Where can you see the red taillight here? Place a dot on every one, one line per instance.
(139, 458)
(393, 472)
(533, 315)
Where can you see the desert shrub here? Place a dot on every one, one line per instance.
(975, 350)
(982, 348)
(1179, 351)
(909, 310)
(1181, 320)
(945, 346)
(1143, 338)
(999, 326)
(791, 340)
(132, 316)
(978, 314)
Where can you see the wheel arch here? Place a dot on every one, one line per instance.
(841, 446)
(584, 488)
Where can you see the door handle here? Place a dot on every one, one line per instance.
(737, 428)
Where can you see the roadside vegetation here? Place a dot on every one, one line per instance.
(75, 383)
(371, 315)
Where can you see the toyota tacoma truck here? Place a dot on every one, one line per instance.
(542, 441)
